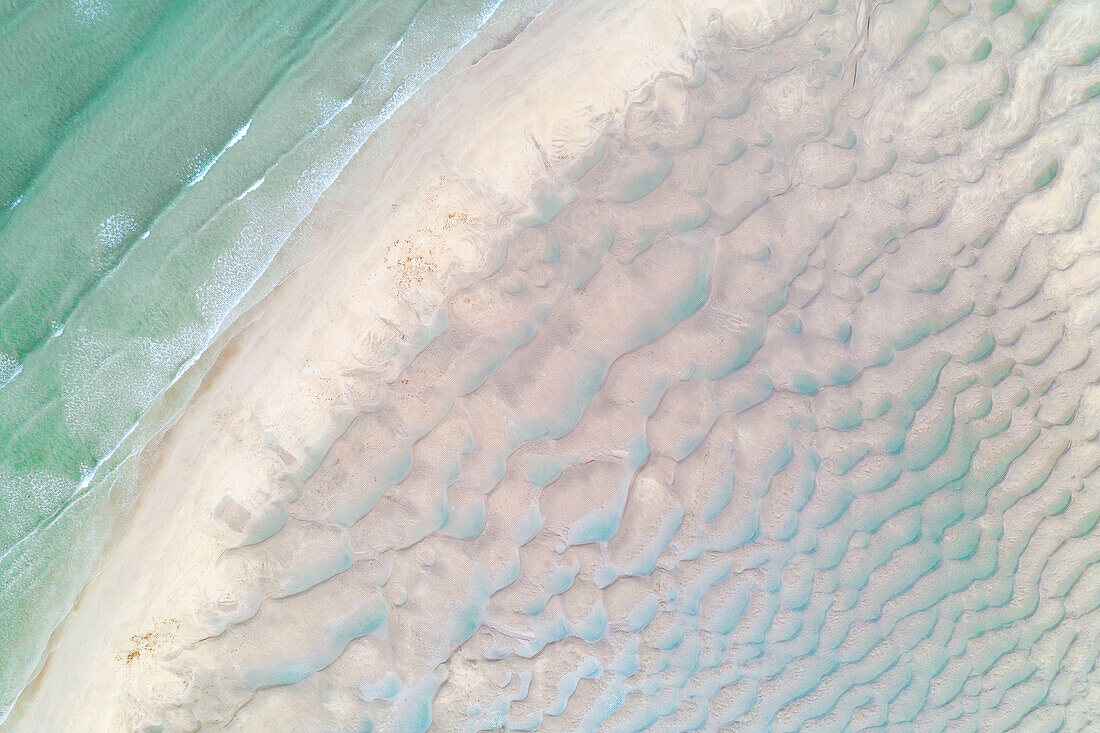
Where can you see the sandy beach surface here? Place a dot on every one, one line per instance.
(681, 366)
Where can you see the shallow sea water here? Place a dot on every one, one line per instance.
(776, 412)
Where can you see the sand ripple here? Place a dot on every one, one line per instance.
(775, 413)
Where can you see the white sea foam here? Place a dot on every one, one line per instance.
(89, 11)
(204, 167)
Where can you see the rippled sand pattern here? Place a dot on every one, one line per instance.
(778, 414)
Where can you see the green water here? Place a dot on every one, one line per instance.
(154, 157)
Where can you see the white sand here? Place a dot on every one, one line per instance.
(783, 419)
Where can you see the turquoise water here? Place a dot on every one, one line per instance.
(154, 158)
